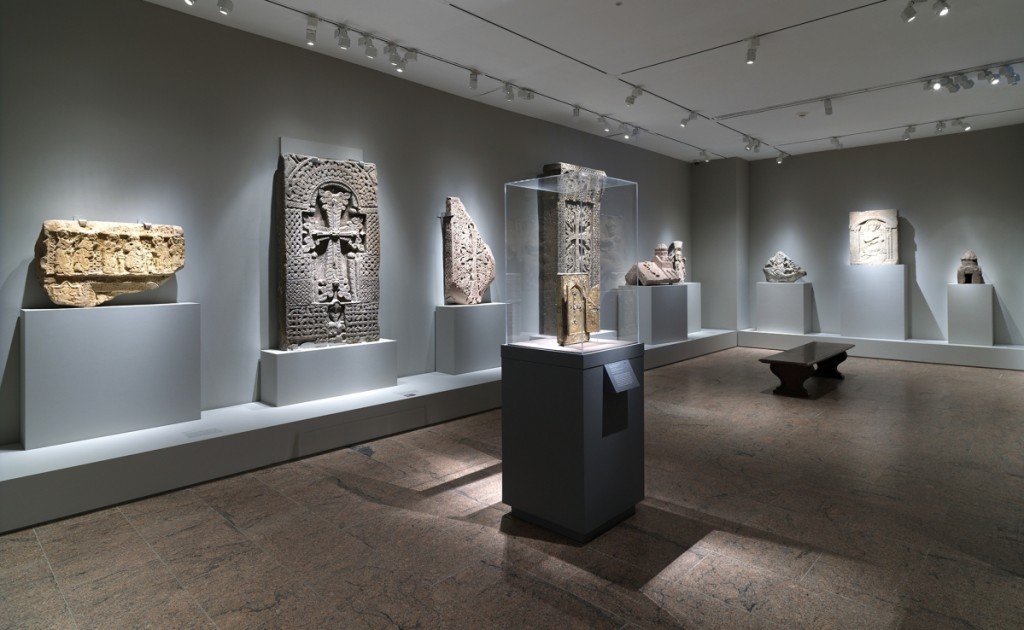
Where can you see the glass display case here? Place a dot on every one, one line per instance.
(570, 238)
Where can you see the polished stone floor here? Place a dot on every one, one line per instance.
(892, 499)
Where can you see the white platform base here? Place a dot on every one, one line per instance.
(288, 377)
(874, 302)
(699, 343)
(93, 372)
(970, 314)
(468, 338)
(784, 307)
(693, 321)
(663, 312)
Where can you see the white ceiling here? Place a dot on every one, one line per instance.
(686, 54)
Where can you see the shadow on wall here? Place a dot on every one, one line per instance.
(1005, 328)
(921, 320)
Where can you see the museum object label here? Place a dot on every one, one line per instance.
(329, 237)
(969, 271)
(86, 263)
(621, 376)
(468, 262)
(874, 237)
(781, 268)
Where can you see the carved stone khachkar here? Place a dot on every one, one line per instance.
(969, 271)
(781, 268)
(570, 253)
(86, 263)
(675, 252)
(329, 287)
(468, 262)
(658, 270)
(874, 237)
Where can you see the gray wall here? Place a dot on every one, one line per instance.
(127, 111)
(953, 192)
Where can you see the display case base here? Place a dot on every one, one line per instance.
(468, 338)
(970, 309)
(784, 307)
(874, 302)
(288, 377)
(580, 537)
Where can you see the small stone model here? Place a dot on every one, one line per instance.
(329, 285)
(874, 237)
(969, 271)
(86, 263)
(468, 262)
(781, 268)
(675, 252)
(658, 270)
(570, 253)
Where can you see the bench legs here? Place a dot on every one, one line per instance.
(792, 377)
(829, 368)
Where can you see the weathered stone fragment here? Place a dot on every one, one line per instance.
(675, 252)
(570, 235)
(781, 268)
(874, 237)
(468, 262)
(329, 236)
(658, 270)
(969, 271)
(86, 263)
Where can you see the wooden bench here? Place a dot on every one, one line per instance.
(796, 365)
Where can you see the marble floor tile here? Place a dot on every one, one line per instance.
(31, 598)
(92, 546)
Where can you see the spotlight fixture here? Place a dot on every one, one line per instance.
(225, 6)
(828, 106)
(312, 22)
(937, 83)
(752, 50)
(692, 116)
(952, 87)
(928, 85)
(757, 146)
(637, 91)
(964, 82)
(411, 55)
(992, 78)
(940, 127)
(906, 133)
(343, 39)
(366, 41)
(1011, 77)
(941, 8)
(704, 156)
(391, 52)
(624, 130)
(749, 143)
(602, 122)
(190, 2)
(474, 79)
(964, 126)
(576, 113)
(909, 13)
(636, 132)
(400, 66)
(782, 157)
(526, 95)
(836, 143)
(510, 94)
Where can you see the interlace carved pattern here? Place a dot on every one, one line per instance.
(469, 266)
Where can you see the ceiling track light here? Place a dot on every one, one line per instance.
(940, 127)
(391, 52)
(624, 130)
(782, 157)
(636, 132)
(752, 50)
(190, 2)
(400, 66)
(225, 6)
(964, 81)
(525, 94)
(757, 146)
(952, 87)
(411, 55)
(836, 143)
(366, 41)
(938, 82)
(510, 94)
(341, 34)
(576, 113)
(828, 106)
(748, 143)
(312, 22)
(941, 8)
(1011, 77)
(636, 93)
(692, 116)
(906, 132)
(959, 122)
(988, 75)
(602, 122)
(474, 79)
(909, 13)
(704, 156)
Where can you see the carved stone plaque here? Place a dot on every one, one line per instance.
(329, 235)
(874, 237)
(468, 262)
(570, 235)
(86, 263)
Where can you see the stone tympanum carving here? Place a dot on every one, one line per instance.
(570, 253)
(86, 263)
(330, 251)
(675, 252)
(468, 262)
(658, 270)
(969, 271)
(874, 237)
(781, 268)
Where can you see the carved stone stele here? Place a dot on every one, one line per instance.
(570, 243)
(329, 237)
(86, 263)
(468, 262)
(675, 252)
(874, 237)
(781, 268)
(969, 272)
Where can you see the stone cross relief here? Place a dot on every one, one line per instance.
(335, 236)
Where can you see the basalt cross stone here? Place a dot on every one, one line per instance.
(468, 262)
(329, 238)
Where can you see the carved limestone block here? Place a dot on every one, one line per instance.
(570, 242)
(658, 270)
(969, 271)
(329, 239)
(781, 268)
(86, 263)
(874, 237)
(578, 309)
(675, 252)
(468, 262)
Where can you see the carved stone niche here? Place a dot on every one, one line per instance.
(874, 237)
(570, 248)
(969, 271)
(468, 262)
(329, 239)
(86, 263)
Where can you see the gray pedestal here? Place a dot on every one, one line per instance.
(970, 309)
(874, 302)
(572, 448)
(93, 372)
(468, 338)
(693, 321)
(663, 313)
(293, 376)
(784, 307)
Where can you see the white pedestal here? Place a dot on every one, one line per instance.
(93, 372)
(693, 322)
(469, 337)
(662, 313)
(293, 376)
(874, 302)
(784, 307)
(970, 309)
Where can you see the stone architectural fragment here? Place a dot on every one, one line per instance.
(969, 271)
(570, 249)
(659, 270)
(675, 252)
(781, 268)
(874, 237)
(329, 237)
(86, 263)
(468, 262)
